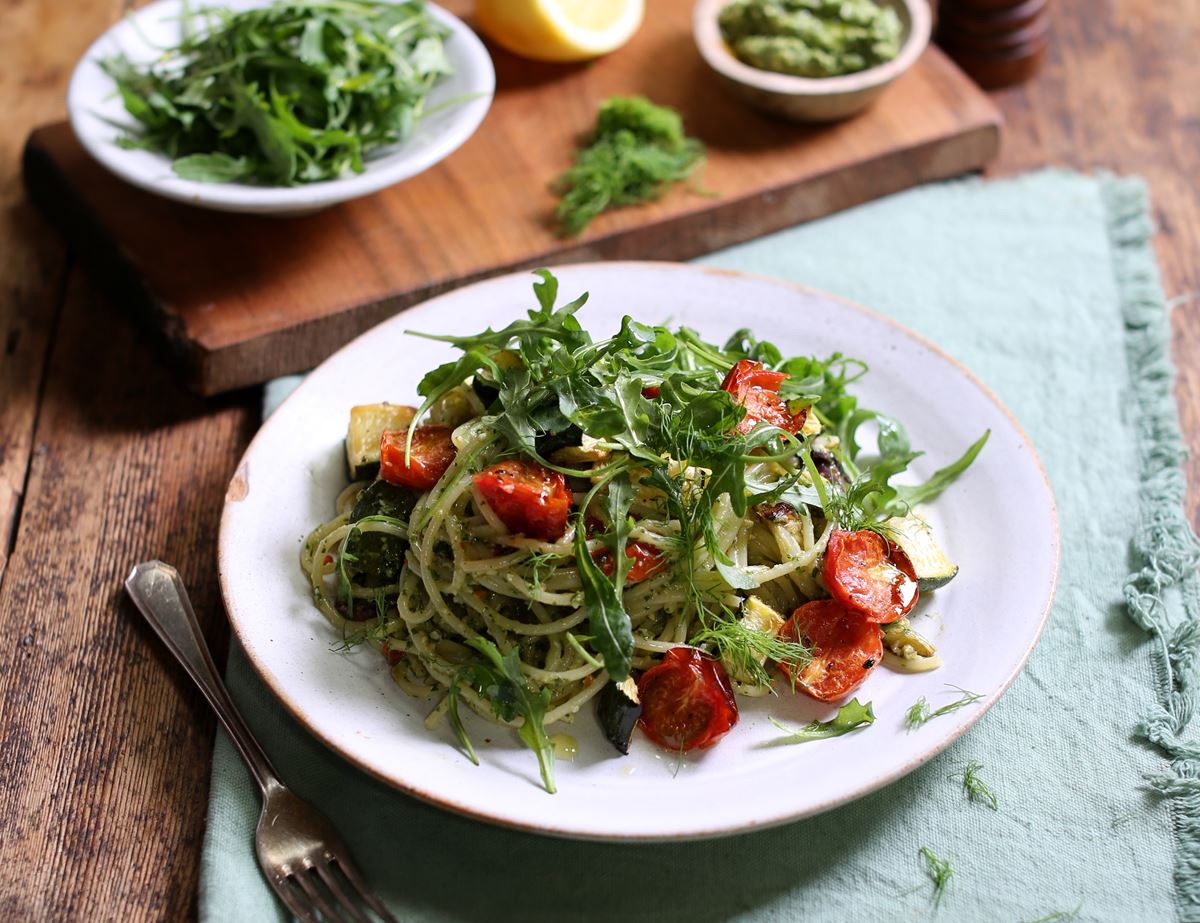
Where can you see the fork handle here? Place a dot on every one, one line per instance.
(160, 596)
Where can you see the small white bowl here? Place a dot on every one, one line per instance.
(95, 110)
(810, 99)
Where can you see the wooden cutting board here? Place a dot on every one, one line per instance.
(240, 299)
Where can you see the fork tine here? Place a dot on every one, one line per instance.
(285, 890)
(334, 884)
(314, 894)
(368, 896)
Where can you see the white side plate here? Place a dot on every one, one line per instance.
(1008, 553)
(95, 109)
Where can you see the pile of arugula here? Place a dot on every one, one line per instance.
(297, 92)
(566, 379)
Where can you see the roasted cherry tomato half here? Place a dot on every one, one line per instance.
(865, 572)
(432, 452)
(757, 389)
(529, 499)
(650, 392)
(647, 561)
(845, 649)
(687, 702)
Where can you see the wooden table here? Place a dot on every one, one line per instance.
(105, 461)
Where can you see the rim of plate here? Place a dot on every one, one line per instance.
(389, 168)
(237, 486)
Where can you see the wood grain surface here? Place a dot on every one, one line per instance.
(240, 299)
(103, 759)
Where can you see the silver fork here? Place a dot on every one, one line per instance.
(299, 850)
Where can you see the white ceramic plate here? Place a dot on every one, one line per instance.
(294, 469)
(96, 109)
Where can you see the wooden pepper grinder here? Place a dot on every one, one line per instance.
(997, 42)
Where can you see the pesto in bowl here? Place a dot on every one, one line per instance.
(811, 38)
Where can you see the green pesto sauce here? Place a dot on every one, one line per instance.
(811, 38)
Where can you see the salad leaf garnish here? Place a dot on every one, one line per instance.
(500, 681)
(921, 712)
(976, 789)
(607, 619)
(292, 93)
(852, 715)
(939, 871)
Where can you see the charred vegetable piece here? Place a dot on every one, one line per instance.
(368, 422)
(383, 499)
(549, 443)
(912, 533)
(618, 710)
(378, 556)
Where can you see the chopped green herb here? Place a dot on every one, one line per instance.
(293, 93)
(850, 716)
(939, 871)
(637, 150)
(976, 789)
(500, 681)
(744, 649)
(921, 712)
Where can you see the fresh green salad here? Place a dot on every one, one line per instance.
(297, 92)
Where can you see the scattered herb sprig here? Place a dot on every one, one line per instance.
(293, 93)
(500, 681)
(850, 716)
(977, 790)
(922, 712)
(940, 872)
(637, 150)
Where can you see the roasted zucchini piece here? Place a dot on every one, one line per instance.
(618, 709)
(378, 557)
(907, 651)
(368, 423)
(757, 616)
(915, 537)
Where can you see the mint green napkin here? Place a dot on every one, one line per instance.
(1046, 286)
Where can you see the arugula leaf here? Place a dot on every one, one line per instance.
(608, 622)
(287, 94)
(212, 168)
(942, 478)
(501, 682)
(850, 716)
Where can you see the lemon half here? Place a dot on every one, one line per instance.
(560, 30)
